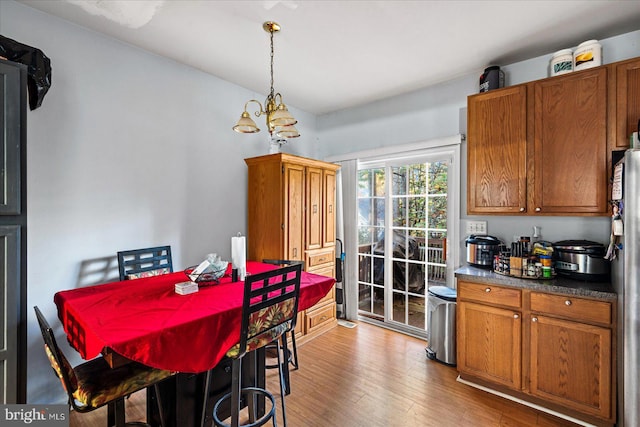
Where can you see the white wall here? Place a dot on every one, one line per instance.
(440, 111)
(128, 150)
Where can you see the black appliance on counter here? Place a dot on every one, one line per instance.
(581, 260)
(481, 250)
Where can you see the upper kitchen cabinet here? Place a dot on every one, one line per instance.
(570, 144)
(544, 148)
(497, 148)
(627, 101)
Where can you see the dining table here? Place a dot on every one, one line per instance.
(146, 321)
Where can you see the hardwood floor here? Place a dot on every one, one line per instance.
(369, 376)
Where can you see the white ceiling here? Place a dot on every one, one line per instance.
(332, 55)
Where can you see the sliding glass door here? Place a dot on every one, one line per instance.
(403, 224)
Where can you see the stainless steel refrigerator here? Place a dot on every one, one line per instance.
(626, 282)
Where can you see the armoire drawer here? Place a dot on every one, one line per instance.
(316, 318)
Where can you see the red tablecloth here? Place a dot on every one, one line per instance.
(146, 321)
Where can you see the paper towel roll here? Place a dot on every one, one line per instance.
(239, 255)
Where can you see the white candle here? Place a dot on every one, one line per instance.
(239, 255)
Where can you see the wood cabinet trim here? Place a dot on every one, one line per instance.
(290, 158)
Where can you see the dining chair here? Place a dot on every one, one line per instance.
(290, 355)
(94, 384)
(146, 262)
(269, 309)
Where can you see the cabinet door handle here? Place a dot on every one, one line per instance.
(522, 209)
(295, 252)
(538, 209)
(487, 290)
(516, 316)
(315, 208)
(534, 319)
(567, 302)
(330, 208)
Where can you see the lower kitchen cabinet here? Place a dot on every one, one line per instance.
(571, 347)
(571, 364)
(554, 350)
(491, 343)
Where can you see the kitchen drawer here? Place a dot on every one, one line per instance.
(320, 257)
(316, 318)
(573, 308)
(491, 294)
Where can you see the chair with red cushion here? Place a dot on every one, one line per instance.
(137, 263)
(94, 384)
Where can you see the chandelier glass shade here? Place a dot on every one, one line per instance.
(280, 123)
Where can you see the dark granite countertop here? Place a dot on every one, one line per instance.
(559, 284)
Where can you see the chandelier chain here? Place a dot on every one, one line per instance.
(271, 93)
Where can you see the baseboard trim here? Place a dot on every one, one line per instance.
(524, 402)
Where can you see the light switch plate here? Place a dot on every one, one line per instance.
(476, 227)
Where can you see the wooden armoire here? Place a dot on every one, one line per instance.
(292, 215)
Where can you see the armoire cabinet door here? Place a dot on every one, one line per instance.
(329, 192)
(294, 211)
(314, 208)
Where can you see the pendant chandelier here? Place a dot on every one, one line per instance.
(279, 121)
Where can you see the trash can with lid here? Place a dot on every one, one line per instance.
(441, 331)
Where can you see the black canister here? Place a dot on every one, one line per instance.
(492, 78)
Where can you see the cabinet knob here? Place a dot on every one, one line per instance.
(522, 209)
(567, 302)
(487, 290)
(534, 319)
(516, 316)
(538, 209)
